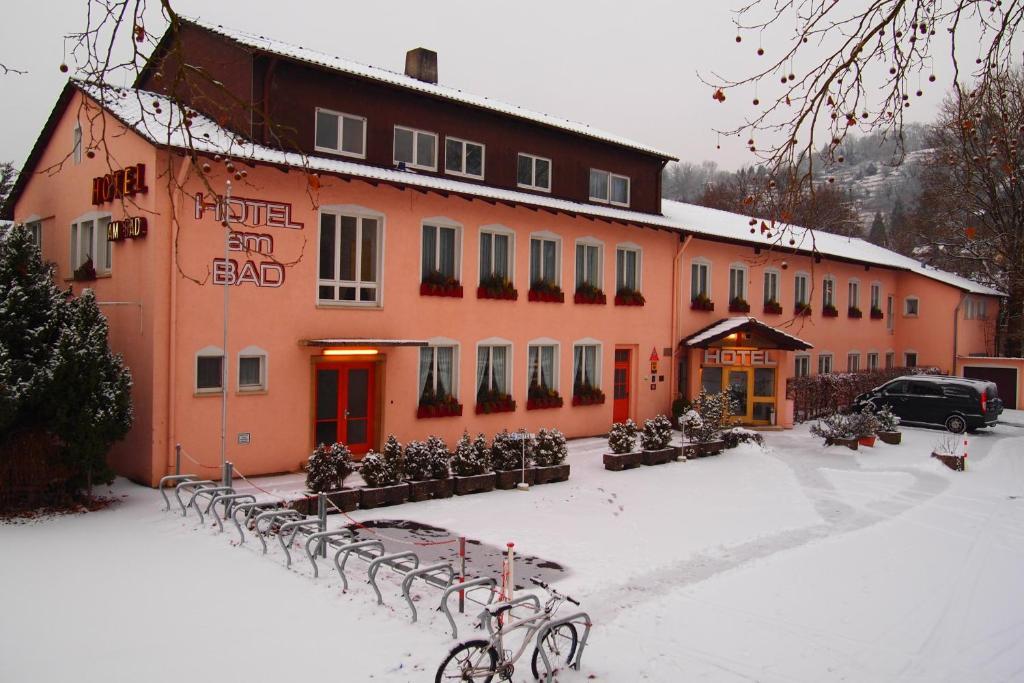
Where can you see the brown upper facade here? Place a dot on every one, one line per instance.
(295, 99)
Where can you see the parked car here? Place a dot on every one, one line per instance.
(956, 403)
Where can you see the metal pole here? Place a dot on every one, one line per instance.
(177, 458)
(511, 586)
(321, 513)
(224, 347)
(229, 474)
(462, 573)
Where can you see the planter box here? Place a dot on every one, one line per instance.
(544, 403)
(631, 300)
(384, 495)
(830, 312)
(802, 309)
(501, 295)
(507, 479)
(658, 457)
(739, 307)
(588, 400)
(431, 488)
(876, 314)
(548, 297)
(488, 407)
(430, 289)
(854, 313)
(868, 441)
(477, 483)
(622, 461)
(953, 462)
(849, 443)
(712, 447)
(548, 475)
(346, 500)
(698, 305)
(599, 299)
(891, 438)
(445, 410)
(773, 309)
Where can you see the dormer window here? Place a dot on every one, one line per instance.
(533, 173)
(416, 148)
(609, 187)
(340, 133)
(465, 158)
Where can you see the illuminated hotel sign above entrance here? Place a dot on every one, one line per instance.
(125, 182)
(735, 357)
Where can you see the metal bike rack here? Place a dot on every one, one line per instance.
(320, 539)
(295, 527)
(173, 478)
(271, 515)
(191, 484)
(489, 581)
(582, 617)
(391, 561)
(249, 510)
(426, 573)
(485, 616)
(206, 491)
(360, 548)
(230, 501)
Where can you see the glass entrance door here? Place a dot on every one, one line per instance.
(753, 394)
(344, 405)
(738, 382)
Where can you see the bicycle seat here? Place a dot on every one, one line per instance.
(498, 609)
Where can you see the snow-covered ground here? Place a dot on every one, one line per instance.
(794, 563)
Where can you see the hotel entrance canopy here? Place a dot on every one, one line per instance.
(745, 331)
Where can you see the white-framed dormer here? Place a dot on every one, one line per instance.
(591, 352)
(533, 172)
(337, 288)
(549, 362)
(208, 371)
(88, 239)
(337, 132)
(739, 276)
(441, 247)
(609, 188)
(588, 262)
(438, 366)
(415, 148)
(491, 369)
(542, 243)
(700, 277)
(252, 370)
(464, 158)
(497, 242)
(629, 266)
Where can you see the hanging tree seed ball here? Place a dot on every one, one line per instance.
(63, 68)
(756, 101)
(224, 224)
(760, 52)
(238, 176)
(931, 79)
(206, 168)
(739, 39)
(752, 231)
(785, 265)
(792, 241)
(831, 179)
(840, 159)
(783, 79)
(90, 153)
(792, 77)
(244, 173)
(892, 71)
(919, 93)
(230, 167)
(216, 157)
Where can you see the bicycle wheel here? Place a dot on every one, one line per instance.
(474, 660)
(560, 647)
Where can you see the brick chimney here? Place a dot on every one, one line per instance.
(421, 64)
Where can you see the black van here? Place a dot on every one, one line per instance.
(956, 403)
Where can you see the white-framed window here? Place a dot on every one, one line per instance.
(441, 247)
(89, 242)
(463, 158)
(493, 369)
(586, 365)
(609, 187)
(340, 133)
(890, 360)
(911, 306)
(542, 365)
(975, 308)
(737, 282)
(828, 292)
(854, 294)
(876, 296)
(416, 148)
(533, 172)
(800, 284)
(76, 142)
(872, 360)
(628, 261)
(802, 365)
(349, 256)
(853, 361)
(497, 253)
(35, 232)
(438, 372)
(700, 278)
(969, 308)
(589, 263)
(981, 308)
(910, 359)
(889, 322)
(209, 366)
(545, 259)
(771, 286)
(252, 369)
(824, 363)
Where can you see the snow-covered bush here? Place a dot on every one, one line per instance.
(550, 448)
(737, 435)
(471, 457)
(622, 437)
(394, 453)
(327, 467)
(864, 423)
(657, 433)
(690, 422)
(378, 470)
(426, 460)
(714, 411)
(887, 420)
(507, 450)
(834, 426)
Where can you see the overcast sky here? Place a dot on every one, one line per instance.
(626, 67)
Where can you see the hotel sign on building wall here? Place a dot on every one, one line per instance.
(125, 182)
(751, 357)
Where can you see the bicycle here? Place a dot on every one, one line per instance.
(481, 660)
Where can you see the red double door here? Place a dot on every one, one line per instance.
(345, 405)
(622, 385)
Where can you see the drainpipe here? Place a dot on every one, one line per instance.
(172, 330)
(956, 328)
(676, 288)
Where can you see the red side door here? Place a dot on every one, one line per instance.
(344, 405)
(622, 385)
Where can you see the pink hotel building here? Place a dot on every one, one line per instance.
(406, 258)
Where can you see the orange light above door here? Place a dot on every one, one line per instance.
(351, 352)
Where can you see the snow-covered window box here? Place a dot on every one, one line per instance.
(772, 307)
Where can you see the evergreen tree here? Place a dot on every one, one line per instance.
(471, 457)
(878, 234)
(550, 449)
(327, 468)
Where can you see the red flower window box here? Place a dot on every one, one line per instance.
(739, 306)
(500, 405)
(802, 309)
(854, 312)
(876, 314)
(830, 311)
(434, 289)
(588, 296)
(702, 303)
(773, 308)
(629, 297)
(546, 295)
(500, 294)
(544, 402)
(590, 399)
(448, 409)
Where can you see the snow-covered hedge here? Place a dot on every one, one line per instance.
(737, 435)
(657, 433)
(379, 470)
(426, 460)
(713, 411)
(818, 395)
(327, 468)
(550, 448)
(834, 426)
(622, 437)
(507, 450)
(471, 457)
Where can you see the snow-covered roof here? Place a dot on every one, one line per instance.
(303, 54)
(350, 341)
(158, 119)
(727, 325)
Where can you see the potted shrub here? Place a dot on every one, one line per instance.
(887, 423)
(326, 470)
(586, 394)
(701, 302)
(703, 425)
(836, 430)
(471, 466)
(947, 451)
(622, 442)
(854, 312)
(864, 425)
(629, 297)
(545, 290)
(495, 286)
(426, 469)
(436, 283)
(655, 439)
(773, 307)
(739, 305)
(383, 476)
(587, 293)
(493, 401)
(508, 451)
(540, 397)
(549, 454)
(876, 313)
(829, 311)
(737, 435)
